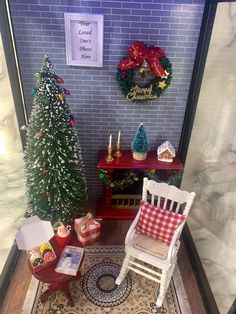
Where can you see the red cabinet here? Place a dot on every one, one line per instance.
(106, 208)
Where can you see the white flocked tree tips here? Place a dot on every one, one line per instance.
(55, 179)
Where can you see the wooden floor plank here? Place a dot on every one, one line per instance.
(189, 281)
(16, 292)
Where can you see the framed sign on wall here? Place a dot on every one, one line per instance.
(84, 39)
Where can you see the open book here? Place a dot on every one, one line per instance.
(70, 260)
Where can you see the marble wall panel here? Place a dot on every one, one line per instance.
(210, 169)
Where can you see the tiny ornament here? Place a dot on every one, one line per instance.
(72, 120)
(61, 97)
(40, 133)
(29, 208)
(59, 80)
(166, 152)
(162, 84)
(45, 170)
(37, 74)
(66, 91)
(47, 194)
(101, 176)
(33, 91)
(23, 127)
(63, 235)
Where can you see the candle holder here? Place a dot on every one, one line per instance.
(109, 157)
(118, 152)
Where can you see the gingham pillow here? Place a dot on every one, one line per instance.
(158, 223)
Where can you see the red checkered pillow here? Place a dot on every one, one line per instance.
(158, 223)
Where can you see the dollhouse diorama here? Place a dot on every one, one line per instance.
(107, 190)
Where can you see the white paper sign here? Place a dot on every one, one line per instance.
(84, 39)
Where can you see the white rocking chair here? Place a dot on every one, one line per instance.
(159, 258)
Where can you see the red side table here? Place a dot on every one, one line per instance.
(56, 280)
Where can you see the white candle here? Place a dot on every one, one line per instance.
(118, 139)
(110, 138)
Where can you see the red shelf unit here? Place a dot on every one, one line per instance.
(126, 161)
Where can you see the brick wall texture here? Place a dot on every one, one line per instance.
(98, 106)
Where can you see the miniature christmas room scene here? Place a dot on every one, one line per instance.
(117, 156)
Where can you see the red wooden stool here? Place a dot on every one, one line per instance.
(56, 280)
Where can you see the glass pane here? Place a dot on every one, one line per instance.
(210, 168)
(12, 193)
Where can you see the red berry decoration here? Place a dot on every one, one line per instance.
(59, 80)
(40, 134)
(47, 193)
(45, 170)
(123, 75)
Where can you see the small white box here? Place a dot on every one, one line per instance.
(33, 232)
(33, 236)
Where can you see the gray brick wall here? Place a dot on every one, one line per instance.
(96, 101)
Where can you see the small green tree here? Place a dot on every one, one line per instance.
(140, 143)
(55, 180)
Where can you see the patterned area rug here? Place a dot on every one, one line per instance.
(96, 292)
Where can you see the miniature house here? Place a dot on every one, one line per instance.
(165, 152)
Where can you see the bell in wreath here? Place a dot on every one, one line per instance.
(144, 67)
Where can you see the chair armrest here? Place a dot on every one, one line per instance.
(131, 230)
(174, 240)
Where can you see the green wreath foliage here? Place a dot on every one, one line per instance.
(127, 83)
(130, 178)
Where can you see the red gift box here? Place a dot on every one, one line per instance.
(87, 229)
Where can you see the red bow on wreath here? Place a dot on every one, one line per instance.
(139, 53)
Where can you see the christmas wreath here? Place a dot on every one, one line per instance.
(144, 59)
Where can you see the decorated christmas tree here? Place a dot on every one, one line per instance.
(55, 180)
(140, 144)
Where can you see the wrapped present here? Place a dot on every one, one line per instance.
(87, 229)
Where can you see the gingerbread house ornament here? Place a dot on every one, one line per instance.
(166, 152)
